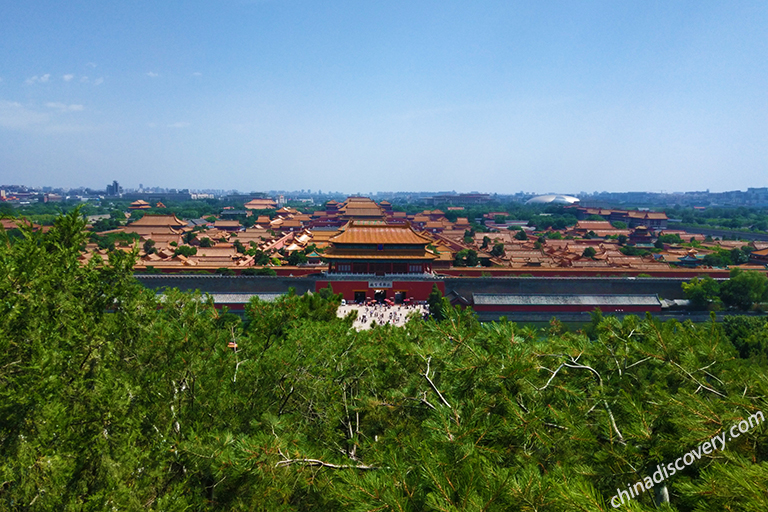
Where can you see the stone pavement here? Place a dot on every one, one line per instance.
(396, 315)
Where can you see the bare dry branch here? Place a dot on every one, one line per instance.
(584, 367)
(638, 362)
(613, 422)
(320, 463)
(552, 377)
(573, 364)
(696, 381)
(442, 398)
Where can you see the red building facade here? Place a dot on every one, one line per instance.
(377, 248)
(391, 260)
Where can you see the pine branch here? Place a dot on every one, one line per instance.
(575, 365)
(638, 362)
(320, 463)
(613, 422)
(584, 367)
(442, 398)
(696, 381)
(552, 377)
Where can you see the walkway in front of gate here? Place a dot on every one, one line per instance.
(396, 315)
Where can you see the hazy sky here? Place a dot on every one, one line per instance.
(381, 96)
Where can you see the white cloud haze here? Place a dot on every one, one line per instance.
(14, 116)
(63, 107)
(38, 79)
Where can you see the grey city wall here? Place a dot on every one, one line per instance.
(228, 284)
(742, 235)
(667, 288)
(578, 319)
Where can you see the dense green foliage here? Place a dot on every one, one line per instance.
(185, 250)
(673, 238)
(749, 335)
(702, 291)
(110, 240)
(744, 288)
(557, 220)
(438, 305)
(112, 398)
(723, 257)
(149, 246)
(630, 250)
(466, 258)
(297, 258)
(261, 271)
(744, 218)
(259, 256)
(191, 209)
(115, 220)
(741, 291)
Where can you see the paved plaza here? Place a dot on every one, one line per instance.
(382, 314)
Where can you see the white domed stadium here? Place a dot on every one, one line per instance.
(553, 199)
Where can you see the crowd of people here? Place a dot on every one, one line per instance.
(383, 314)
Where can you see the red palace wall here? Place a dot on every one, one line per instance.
(422, 294)
(350, 287)
(232, 308)
(419, 290)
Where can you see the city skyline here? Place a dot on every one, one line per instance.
(496, 97)
(752, 196)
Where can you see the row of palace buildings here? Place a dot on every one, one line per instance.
(365, 250)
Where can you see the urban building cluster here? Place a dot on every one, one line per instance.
(733, 198)
(752, 197)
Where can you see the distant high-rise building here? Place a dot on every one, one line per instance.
(114, 189)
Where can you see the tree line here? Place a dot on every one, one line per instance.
(743, 290)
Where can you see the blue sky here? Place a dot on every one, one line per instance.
(362, 96)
